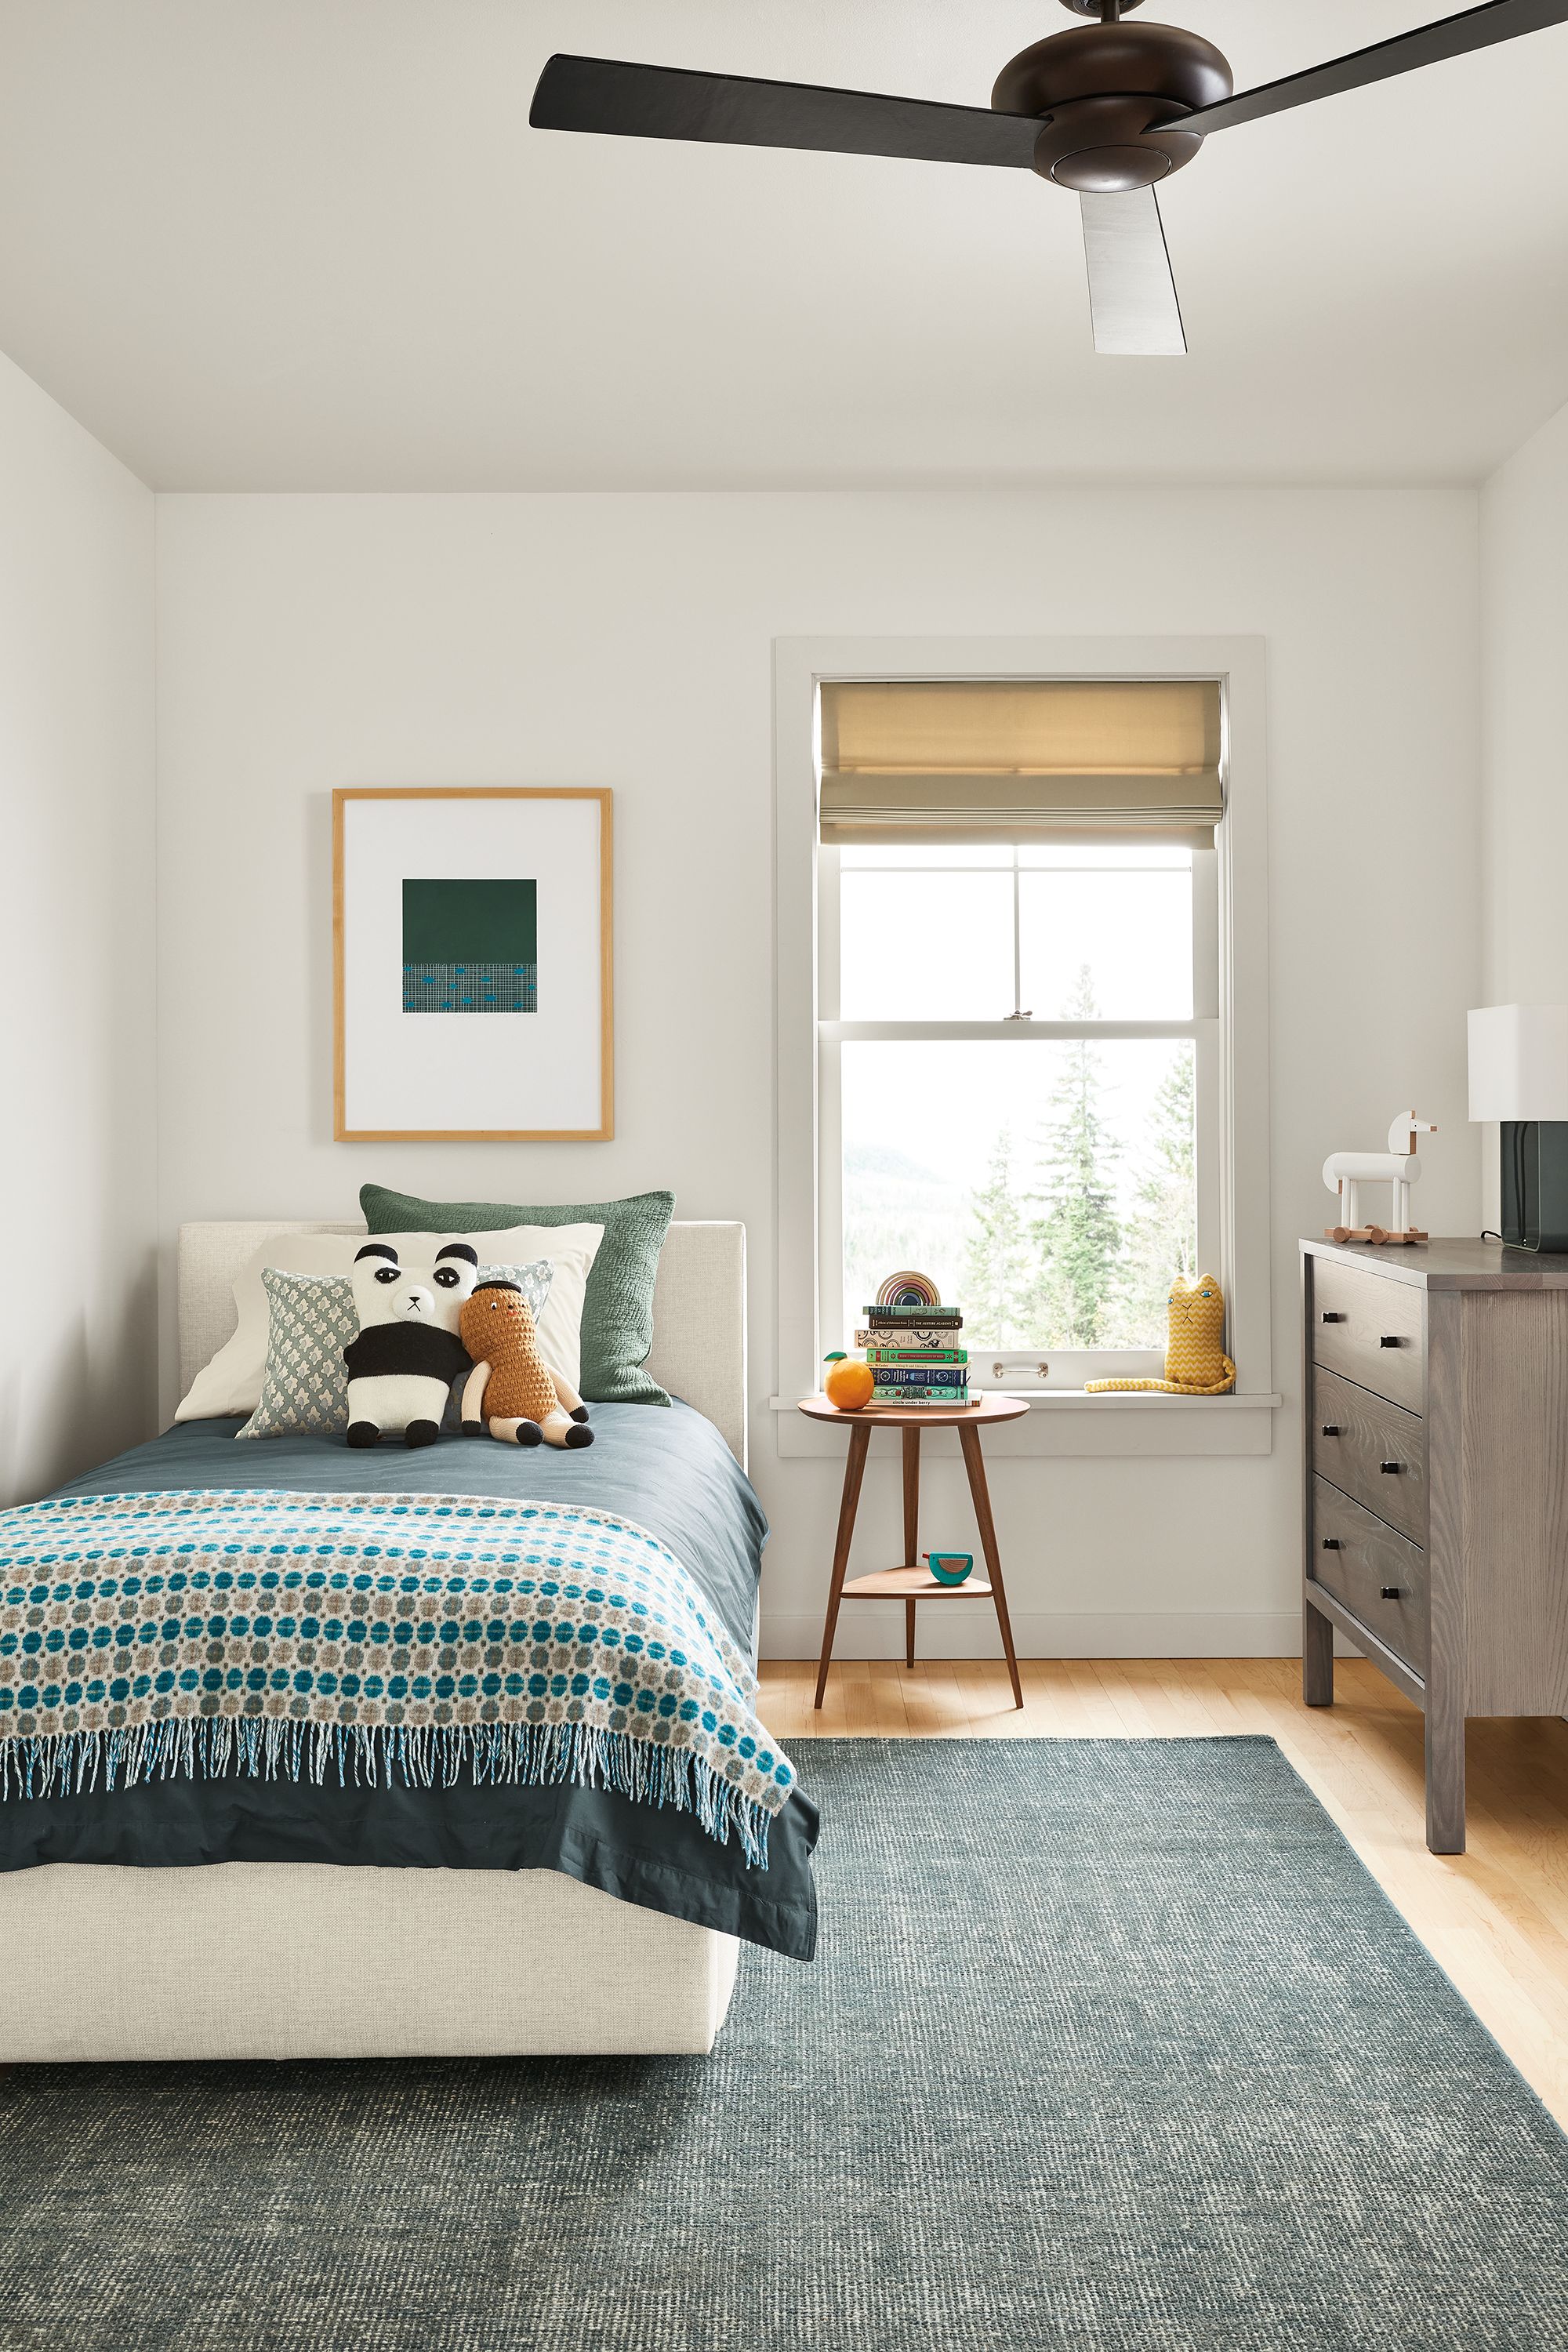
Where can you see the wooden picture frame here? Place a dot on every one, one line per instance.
(457, 832)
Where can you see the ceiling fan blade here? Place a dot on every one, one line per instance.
(1452, 36)
(1132, 292)
(633, 101)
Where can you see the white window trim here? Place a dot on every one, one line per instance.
(1060, 1421)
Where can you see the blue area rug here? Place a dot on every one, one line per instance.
(1112, 2045)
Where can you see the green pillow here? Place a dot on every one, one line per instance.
(618, 1308)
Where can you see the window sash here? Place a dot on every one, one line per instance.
(1069, 1369)
(1204, 991)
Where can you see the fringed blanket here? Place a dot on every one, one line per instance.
(412, 1639)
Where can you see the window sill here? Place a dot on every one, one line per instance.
(1071, 1422)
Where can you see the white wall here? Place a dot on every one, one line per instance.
(1524, 675)
(77, 1110)
(1524, 570)
(315, 641)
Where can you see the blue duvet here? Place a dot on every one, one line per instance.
(671, 1472)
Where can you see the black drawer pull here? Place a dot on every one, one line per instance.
(1331, 1429)
(1390, 1469)
(1332, 1543)
(1386, 1342)
(1327, 1318)
(1390, 1592)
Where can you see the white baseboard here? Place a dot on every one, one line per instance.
(952, 1631)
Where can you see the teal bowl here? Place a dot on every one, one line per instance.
(949, 1567)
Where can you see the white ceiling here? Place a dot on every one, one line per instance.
(312, 243)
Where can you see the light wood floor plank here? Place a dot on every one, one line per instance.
(1101, 1718)
(888, 1711)
(945, 1701)
(1056, 1707)
(1131, 1715)
(1496, 1917)
(987, 1697)
(922, 1705)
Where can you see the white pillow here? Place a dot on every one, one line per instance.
(231, 1382)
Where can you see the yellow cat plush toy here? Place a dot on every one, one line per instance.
(1196, 1360)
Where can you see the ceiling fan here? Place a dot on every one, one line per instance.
(1107, 110)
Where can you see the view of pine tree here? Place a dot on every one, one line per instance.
(998, 1274)
(1162, 1233)
(1079, 1237)
(1073, 1240)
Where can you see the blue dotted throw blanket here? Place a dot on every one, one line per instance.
(387, 1639)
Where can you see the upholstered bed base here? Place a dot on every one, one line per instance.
(255, 1959)
(304, 1960)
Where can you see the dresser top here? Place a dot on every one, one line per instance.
(1460, 1265)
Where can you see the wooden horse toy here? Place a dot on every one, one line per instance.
(1345, 1171)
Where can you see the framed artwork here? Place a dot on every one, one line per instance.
(452, 905)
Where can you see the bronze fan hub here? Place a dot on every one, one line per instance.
(1110, 97)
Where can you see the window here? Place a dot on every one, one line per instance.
(1019, 1051)
(1039, 859)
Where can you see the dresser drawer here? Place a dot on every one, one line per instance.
(1370, 1449)
(1370, 1330)
(1379, 1577)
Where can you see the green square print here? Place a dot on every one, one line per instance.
(470, 945)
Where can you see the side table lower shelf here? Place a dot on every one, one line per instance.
(913, 1584)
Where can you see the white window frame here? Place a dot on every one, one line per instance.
(1230, 1031)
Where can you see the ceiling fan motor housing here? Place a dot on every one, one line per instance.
(1111, 99)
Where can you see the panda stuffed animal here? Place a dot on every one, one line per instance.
(402, 1366)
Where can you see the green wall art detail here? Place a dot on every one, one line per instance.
(470, 946)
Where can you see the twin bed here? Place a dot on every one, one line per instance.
(412, 1890)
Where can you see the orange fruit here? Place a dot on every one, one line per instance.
(849, 1385)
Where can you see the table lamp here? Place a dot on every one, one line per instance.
(1518, 1077)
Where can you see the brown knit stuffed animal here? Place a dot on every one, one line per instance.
(511, 1390)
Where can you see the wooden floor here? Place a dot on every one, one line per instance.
(1495, 1917)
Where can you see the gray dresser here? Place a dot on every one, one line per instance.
(1435, 1390)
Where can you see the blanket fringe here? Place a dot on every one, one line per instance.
(410, 1756)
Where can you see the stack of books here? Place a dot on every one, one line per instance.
(915, 1355)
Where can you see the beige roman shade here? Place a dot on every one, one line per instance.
(965, 759)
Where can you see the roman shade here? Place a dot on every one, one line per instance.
(951, 760)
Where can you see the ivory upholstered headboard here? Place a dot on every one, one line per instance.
(698, 1308)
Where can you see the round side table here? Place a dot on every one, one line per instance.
(912, 1582)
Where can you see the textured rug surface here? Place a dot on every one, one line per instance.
(1111, 2045)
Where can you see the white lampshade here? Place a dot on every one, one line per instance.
(1519, 1061)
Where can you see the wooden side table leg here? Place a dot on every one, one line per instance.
(974, 1462)
(911, 1529)
(854, 1471)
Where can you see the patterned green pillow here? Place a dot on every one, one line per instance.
(617, 1306)
(311, 1319)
